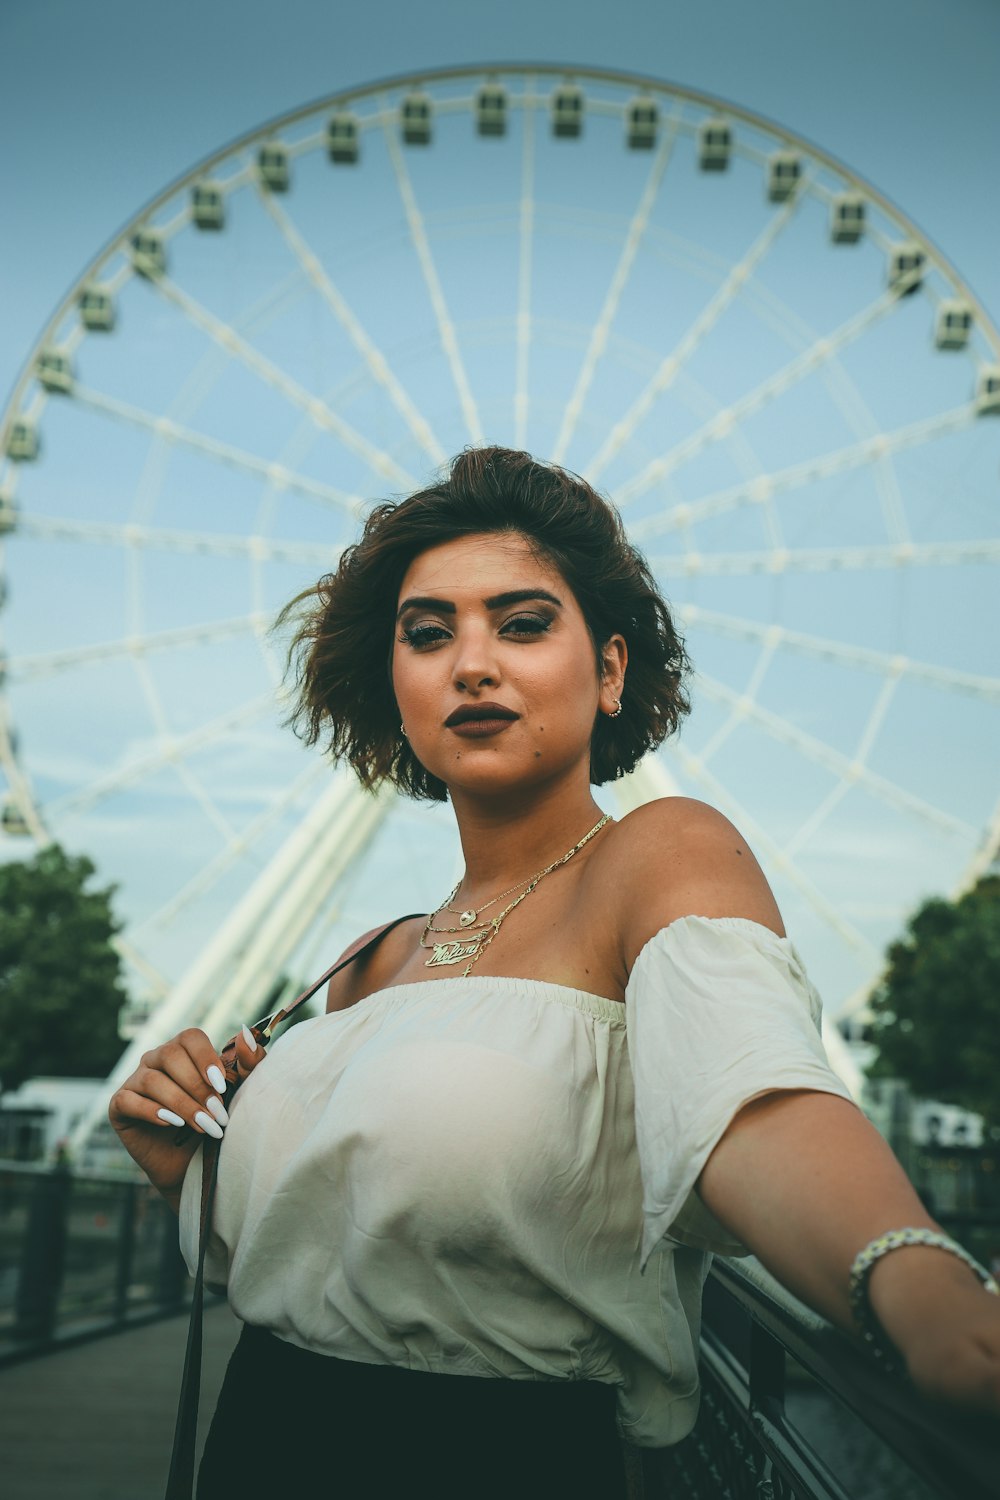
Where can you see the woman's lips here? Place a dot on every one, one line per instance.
(477, 729)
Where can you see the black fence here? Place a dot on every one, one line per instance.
(81, 1254)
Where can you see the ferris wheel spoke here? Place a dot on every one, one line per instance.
(149, 538)
(671, 366)
(186, 437)
(526, 235)
(199, 794)
(841, 461)
(882, 662)
(373, 357)
(165, 754)
(869, 734)
(761, 665)
(318, 411)
(421, 244)
(777, 856)
(49, 663)
(156, 983)
(851, 770)
(237, 845)
(816, 818)
(820, 352)
(691, 563)
(619, 281)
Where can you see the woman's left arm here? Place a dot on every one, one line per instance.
(806, 1182)
(800, 1176)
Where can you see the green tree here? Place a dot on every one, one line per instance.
(937, 1012)
(60, 978)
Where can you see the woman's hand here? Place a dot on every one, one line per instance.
(944, 1323)
(180, 1083)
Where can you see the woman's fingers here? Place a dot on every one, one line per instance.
(137, 1108)
(248, 1051)
(179, 1083)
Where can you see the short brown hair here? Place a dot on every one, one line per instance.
(344, 637)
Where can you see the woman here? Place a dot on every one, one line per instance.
(461, 1170)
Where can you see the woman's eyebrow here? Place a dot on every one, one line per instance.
(495, 601)
(425, 601)
(520, 596)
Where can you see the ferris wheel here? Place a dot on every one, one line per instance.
(791, 395)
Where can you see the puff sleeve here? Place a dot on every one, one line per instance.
(719, 1010)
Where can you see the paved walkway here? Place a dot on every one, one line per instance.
(96, 1422)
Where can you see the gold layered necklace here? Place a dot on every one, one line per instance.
(476, 936)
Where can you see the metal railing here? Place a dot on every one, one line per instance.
(792, 1409)
(81, 1254)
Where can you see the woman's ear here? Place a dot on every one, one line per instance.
(614, 659)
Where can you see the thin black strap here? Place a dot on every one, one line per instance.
(365, 945)
(180, 1481)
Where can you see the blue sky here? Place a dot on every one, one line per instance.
(105, 105)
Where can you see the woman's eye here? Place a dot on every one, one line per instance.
(526, 625)
(423, 635)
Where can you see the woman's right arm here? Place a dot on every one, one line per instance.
(179, 1083)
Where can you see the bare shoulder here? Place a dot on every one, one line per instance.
(369, 973)
(679, 857)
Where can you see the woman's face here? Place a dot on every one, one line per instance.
(494, 668)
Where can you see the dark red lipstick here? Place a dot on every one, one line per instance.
(475, 720)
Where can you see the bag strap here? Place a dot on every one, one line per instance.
(180, 1481)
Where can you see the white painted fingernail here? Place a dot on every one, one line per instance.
(209, 1126)
(250, 1039)
(218, 1109)
(216, 1077)
(169, 1116)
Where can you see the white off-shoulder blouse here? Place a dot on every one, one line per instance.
(495, 1177)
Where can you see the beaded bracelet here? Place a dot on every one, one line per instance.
(861, 1269)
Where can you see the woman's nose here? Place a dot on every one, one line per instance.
(476, 665)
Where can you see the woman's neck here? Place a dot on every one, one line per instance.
(503, 844)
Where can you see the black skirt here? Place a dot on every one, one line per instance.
(289, 1422)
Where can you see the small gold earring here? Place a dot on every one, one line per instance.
(402, 730)
(617, 709)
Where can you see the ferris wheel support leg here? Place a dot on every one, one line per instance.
(231, 979)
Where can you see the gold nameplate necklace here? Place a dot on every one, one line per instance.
(475, 935)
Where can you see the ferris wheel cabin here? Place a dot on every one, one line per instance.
(988, 391)
(97, 309)
(23, 443)
(567, 111)
(491, 110)
(643, 119)
(906, 268)
(8, 514)
(272, 168)
(715, 144)
(55, 371)
(847, 218)
(13, 823)
(208, 206)
(784, 171)
(954, 324)
(416, 119)
(342, 138)
(149, 254)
